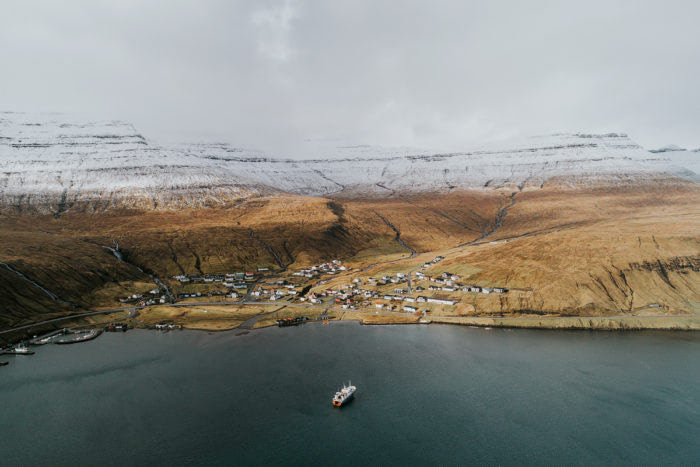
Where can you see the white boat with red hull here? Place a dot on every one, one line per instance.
(344, 395)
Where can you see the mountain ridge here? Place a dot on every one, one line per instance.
(52, 162)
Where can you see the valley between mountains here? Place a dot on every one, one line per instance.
(592, 234)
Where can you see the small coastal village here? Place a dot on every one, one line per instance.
(422, 288)
(333, 285)
(409, 291)
(323, 292)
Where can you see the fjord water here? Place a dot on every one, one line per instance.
(426, 395)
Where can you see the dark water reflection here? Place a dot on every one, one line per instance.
(426, 395)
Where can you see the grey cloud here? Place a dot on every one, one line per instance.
(439, 74)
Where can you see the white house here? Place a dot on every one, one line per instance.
(441, 301)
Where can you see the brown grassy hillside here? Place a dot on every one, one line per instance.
(577, 251)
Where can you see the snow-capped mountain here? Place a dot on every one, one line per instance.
(48, 157)
(52, 159)
(668, 148)
(687, 163)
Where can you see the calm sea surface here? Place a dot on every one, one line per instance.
(426, 395)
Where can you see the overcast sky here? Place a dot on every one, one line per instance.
(432, 74)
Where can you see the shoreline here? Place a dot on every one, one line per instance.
(688, 323)
(582, 323)
(678, 323)
(612, 325)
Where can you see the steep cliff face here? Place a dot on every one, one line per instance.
(592, 253)
(51, 163)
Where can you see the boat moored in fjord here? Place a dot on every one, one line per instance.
(19, 349)
(343, 396)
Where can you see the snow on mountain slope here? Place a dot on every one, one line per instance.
(572, 158)
(686, 162)
(48, 157)
(54, 160)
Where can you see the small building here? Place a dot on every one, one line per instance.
(409, 308)
(441, 301)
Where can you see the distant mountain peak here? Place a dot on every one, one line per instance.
(668, 148)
